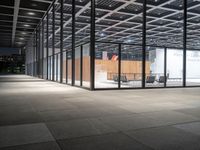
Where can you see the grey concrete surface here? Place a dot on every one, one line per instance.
(37, 114)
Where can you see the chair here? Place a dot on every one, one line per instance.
(115, 78)
(122, 78)
(161, 79)
(150, 79)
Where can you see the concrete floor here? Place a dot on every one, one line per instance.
(41, 115)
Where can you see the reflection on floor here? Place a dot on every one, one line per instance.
(42, 115)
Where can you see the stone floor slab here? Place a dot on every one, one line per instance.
(24, 134)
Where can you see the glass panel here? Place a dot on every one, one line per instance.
(164, 29)
(193, 43)
(82, 36)
(82, 22)
(193, 71)
(64, 67)
(154, 67)
(106, 65)
(118, 22)
(86, 65)
(57, 41)
(69, 68)
(55, 68)
(131, 66)
(174, 72)
(67, 40)
(58, 67)
(50, 42)
(49, 67)
(77, 65)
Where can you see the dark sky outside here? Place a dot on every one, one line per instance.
(8, 51)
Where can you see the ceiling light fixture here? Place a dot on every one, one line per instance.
(27, 25)
(102, 34)
(31, 13)
(21, 38)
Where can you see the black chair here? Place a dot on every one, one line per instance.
(161, 79)
(150, 79)
(122, 78)
(115, 78)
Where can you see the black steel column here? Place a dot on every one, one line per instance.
(42, 49)
(92, 45)
(144, 45)
(184, 41)
(165, 66)
(53, 42)
(35, 53)
(81, 66)
(47, 46)
(73, 42)
(119, 66)
(61, 41)
(39, 49)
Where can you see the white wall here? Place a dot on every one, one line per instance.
(193, 64)
(175, 63)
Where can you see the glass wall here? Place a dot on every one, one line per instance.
(155, 76)
(64, 67)
(50, 45)
(164, 29)
(57, 41)
(131, 66)
(193, 44)
(77, 65)
(120, 22)
(125, 41)
(174, 67)
(82, 40)
(69, 67)
(67, 41)
(86, 65)
(106, 65)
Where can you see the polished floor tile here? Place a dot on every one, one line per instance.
(166, 138)
(24, 134)
(114, 141)
(78, 128)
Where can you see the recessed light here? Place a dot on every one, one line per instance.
(31, 13)
(110, 5)
(23, 33)
(21, 38)
(102, 34)
(27, 25)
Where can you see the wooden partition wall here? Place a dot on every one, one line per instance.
(86, 69)
(131, 69)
